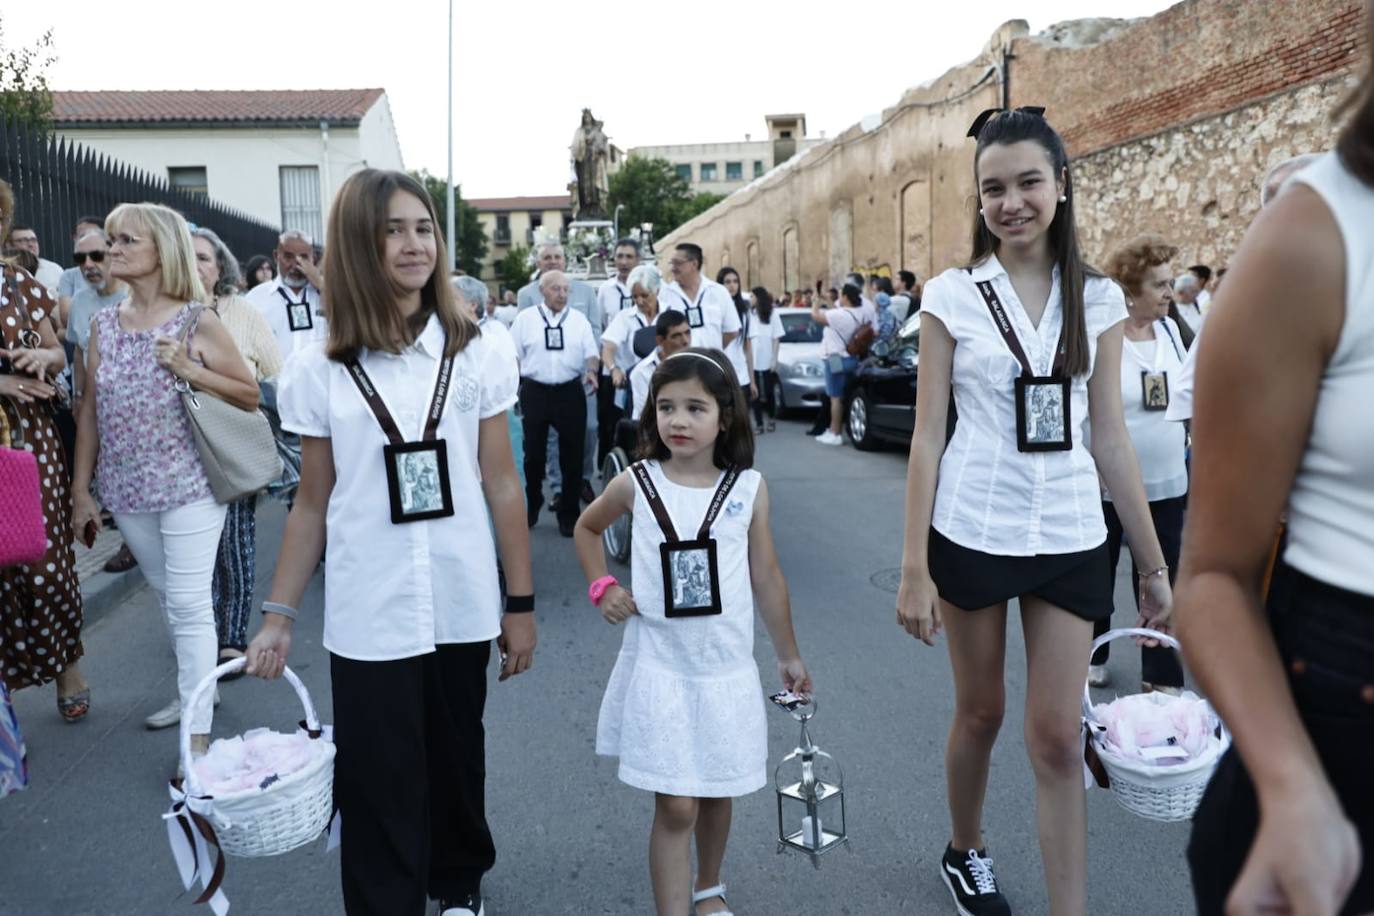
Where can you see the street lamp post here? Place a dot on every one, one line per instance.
(616, 220)
(448, 229)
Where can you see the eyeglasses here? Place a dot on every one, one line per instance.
(97, 257)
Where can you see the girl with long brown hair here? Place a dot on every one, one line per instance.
(404, 458)
(1029, 339)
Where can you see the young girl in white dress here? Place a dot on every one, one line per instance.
(684, 709)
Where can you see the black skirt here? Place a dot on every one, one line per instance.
(970, 579)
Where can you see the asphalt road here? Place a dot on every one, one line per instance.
(86, 839)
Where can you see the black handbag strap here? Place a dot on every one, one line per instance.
(383, 415)
(665, 521)
(1002, 320)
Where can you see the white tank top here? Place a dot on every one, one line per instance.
(1331, 510)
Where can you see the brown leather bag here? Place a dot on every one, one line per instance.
(862, 338)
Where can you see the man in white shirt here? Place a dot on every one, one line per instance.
(673, 334)
(48, 273)
(72, 282)
(906, 297)
(582, 298)
(614, 295)
(1186, 289)
(291, 301)
(1204, 280)
(615, 302)
(709, 308)
(558, 367)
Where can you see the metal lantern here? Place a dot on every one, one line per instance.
(810, 789)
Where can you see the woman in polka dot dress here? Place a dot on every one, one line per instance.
(40, 605)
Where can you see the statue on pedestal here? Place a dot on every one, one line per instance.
(591, 156)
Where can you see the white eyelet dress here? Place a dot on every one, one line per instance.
(684, 707)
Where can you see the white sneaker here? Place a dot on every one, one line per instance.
(1098, 676)
(829, 438)
(471, 906)
(170, 714)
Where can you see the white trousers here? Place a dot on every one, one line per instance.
(176, 551)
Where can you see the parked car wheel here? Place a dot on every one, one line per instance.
(858, 426)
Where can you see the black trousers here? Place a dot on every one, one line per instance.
(765, 395)
(607, 416)
(564, 407)
(1159, 666)
(1325, 637)
(410, 778)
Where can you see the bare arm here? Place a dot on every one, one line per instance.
(918, 606)
(224, 372)
(301, 548)
(84, 506)
(818, 314)
(771, 598)
(1118, 467)
(506, 503)
(1258, 376)
(618, 499)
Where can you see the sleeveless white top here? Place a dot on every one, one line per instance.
(684, 706)
(1331, 509)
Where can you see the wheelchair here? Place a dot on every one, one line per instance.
(616, 538)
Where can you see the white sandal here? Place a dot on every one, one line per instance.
(707, 894)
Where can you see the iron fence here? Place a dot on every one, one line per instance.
(56, 182)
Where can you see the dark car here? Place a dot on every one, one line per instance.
(882, 399)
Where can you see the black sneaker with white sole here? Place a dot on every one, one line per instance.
(970, 880)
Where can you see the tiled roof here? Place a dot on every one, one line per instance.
(184, 106)
(551, 202)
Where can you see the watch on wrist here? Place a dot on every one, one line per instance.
(597, 590)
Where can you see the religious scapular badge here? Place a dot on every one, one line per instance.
(695, 316)
(691, 576)
(297, 313)
(553, 333)
(1154, 380)
(416, 472)
(1043, 421)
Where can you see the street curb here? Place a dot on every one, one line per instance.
(103, 591)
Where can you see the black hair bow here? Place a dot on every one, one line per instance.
(982, 119)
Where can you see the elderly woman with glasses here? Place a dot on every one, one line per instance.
(232, 587)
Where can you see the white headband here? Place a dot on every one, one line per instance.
(698, 356)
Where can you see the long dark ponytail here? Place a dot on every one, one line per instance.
(1356, 144)
(765, 304)
(1014, 127)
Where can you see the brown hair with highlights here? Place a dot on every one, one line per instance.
(1129, 263)
(360, 296)
(1356, 144)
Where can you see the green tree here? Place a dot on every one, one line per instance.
(24, 93)
(651, 192)
(513, 271)
(471, 241)
(696, 205)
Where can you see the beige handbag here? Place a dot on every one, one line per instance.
(235, 445)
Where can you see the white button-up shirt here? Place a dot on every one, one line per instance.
(614, 297)
(639, 382)
(717, 311)
(553, 367)
(622, 332)
(271, 299)
(1192, 315)
(397, 591)
(990, 496)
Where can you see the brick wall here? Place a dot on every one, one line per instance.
(1172, 122)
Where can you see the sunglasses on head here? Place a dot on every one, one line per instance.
(97, 257)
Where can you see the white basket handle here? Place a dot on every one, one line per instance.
(312, 719)
(1110, 635)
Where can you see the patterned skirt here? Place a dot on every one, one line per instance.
(40, 605)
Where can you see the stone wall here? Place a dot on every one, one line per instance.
(1172, 122)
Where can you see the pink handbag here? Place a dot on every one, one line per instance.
(23, 532)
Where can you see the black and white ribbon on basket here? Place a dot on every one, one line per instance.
(194, 823)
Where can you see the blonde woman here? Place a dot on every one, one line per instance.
(235, 566)
(134, 439)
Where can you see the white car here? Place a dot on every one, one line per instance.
(801, 370)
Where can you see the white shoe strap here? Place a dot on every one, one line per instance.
(708, 893)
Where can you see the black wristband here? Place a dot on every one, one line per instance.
(519, 604)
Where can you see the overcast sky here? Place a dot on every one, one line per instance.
(656, 72)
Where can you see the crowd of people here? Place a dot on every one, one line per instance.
(1214, 431)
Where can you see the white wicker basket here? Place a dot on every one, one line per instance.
(1160, 793)
(287, 814)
